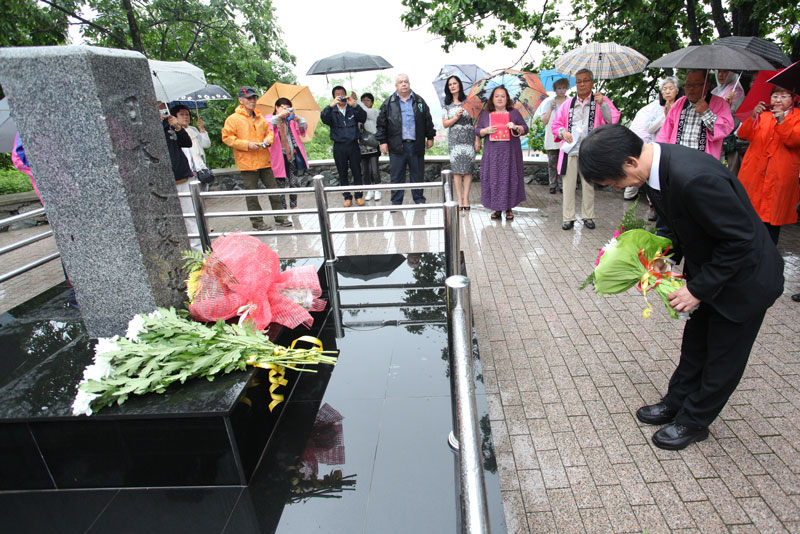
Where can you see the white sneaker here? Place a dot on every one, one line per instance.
(377, 195)
(368, 195)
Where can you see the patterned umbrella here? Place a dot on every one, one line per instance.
(468, 74)
(606, 60)
(549, 77)
(524, 88)
(302, 101)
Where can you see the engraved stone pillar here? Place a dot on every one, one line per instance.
(87, 118)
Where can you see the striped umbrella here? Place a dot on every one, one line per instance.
(606, 60)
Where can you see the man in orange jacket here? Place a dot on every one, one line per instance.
(249, 134)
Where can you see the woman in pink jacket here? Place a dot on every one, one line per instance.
(287, 152)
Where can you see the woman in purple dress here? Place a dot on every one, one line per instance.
(502, 173)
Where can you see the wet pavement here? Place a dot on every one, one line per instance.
(566, 369)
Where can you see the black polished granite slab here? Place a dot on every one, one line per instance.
(361, 447)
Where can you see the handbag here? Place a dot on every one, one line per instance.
(368, 139)
(205, 176)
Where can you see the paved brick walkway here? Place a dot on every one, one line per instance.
(566, 369)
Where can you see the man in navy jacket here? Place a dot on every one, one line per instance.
(343, 116)
(733, 270)
(405, 130)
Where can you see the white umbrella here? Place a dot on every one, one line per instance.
(607, 61)
(8, 128)
(173, 79)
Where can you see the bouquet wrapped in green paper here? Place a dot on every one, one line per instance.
(637, 258)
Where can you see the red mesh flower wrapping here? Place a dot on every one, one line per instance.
(242, 276)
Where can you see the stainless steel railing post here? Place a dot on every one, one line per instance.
(447, 184)
(452, 245)
(200, 214)
(474, 506)
(329, 253)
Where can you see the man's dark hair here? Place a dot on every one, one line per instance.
(368, 95)
(283, 102)
(490, 102)
(448, 96)
(333, 91)
(605, 150)
(175, 109)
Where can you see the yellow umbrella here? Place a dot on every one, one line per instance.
(302, 101)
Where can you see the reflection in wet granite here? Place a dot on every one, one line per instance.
(361, 447)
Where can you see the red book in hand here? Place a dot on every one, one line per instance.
(500, 121)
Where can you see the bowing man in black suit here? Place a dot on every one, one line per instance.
(733, 270)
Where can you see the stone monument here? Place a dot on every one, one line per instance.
(88, 120)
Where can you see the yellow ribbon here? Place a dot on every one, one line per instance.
(277, 372)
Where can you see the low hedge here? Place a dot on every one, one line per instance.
(13, 181)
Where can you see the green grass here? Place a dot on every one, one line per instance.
(13, 181)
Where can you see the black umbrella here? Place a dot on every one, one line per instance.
(711, 57)
(788, 78)
(766, 49)
(348, 62)
(369, 267)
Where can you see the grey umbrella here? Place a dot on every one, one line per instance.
(209, 92)
(348, 62)
(766, 49)
(712, 57)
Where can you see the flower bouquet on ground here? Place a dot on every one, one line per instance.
(636, 257)
(242, 276)
(162, 347)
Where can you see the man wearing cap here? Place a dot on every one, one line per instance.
(249, 134)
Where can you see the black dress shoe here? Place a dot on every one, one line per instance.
(676, 436)
(796, 297)
(568, 225)
(553, 190)
(588, 223)
(656, 414)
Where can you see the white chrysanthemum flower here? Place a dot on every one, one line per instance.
(103, 363)
(94, 372)
(83, 403)
(135, 327)
(106, 344)
(155, 315)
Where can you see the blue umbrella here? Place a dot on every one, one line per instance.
(468, 74)
(549, 77)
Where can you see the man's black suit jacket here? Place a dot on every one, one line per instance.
(731, 262)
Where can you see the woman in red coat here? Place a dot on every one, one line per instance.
(771, 165)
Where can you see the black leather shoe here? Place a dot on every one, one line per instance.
(568, 225)
(796, 297)
(588, 223)
(553, 190)
(676, 436)
(656, 414)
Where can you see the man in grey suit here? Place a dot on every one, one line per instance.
(734, 272)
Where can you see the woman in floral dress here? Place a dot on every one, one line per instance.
(460, 138)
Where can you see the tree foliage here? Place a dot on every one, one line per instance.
(653, 27)
(235, 42)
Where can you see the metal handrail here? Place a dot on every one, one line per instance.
(8, 221)
(474, 505)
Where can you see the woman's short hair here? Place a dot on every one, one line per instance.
(175, 109)
(283, 102)
(674, 81)
(605, 150)
(561, 82)
(448, 97)
(368, 95)
(490, 102)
